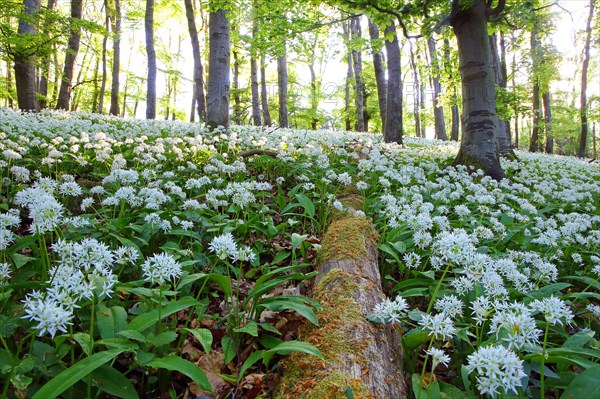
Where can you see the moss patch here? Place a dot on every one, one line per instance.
(346, 239)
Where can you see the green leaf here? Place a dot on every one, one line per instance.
(147, 320)
(176, 363)
(67, 378)
(203, 335)
(229, 348)
(113, 383)
(164, 338)
(84, 340)
(110, 321)
(307, 204)
(286, 347)
(250, 328)
(281, 256)
(279, 303)
(253, 358)
(298, 239)
(584, 385)
(20, 260)
(432, 391)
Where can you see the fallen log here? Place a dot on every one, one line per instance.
(361, 359)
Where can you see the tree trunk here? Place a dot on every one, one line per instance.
(256, 120)
(96, 93)
(393, 122)
(548, 123)
(64, 95)
(25, 71)
(198, 69)
(45, 67)
(114, 93)
(504, 85)
(219, 84)
(151, 53)
(237, 101)
(416, 91)
(455, 125)
(594, 137)
(76, 90)
(478, 146)
(264, 95)
(356, 35)
(314, 100)
(349, 74)
(104, 61)
(504, 146)
(379, 71)
(9, 88)
(282, 82)
(535, 131)
(584, 77)
(438, 109)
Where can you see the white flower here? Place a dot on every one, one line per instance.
(4, 273)
(224, 246)
(515, 319)
(439, 326)
(246, 254)
(412, 260)
(594, 310)
(50, 315)
(160, 268)
(438, 356)
(450, 305)
(554, 309)
(498, 370)
(389, 311)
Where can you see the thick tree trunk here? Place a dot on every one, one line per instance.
(25, 71)
(199, 99)
(379, 71)
(356, 33)
(537, 113)
(64, 95)
(583, 105)
(549, 149)
(264, 94)
(256, 120)
(218, 70)
(417, 92)
(282, 82)
(45, 67)
(438, 109)
(478, 146)
(504, 146)
(151, 53)
(114, 93)
(393, 122)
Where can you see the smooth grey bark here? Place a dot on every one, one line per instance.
(104, 60)
(237, 101)
(314, 100)
(504, 146)
(438, 109)
(356, 33)
(264, 94)
(478, 146)
(393, 122)
(152, 68)
(416, 91)
(45, 67)
(455, 123)
(25, 71)
(504, 84)
(64, 95)
(114, 92)
(583, 105)
(549, 148)
(379, 71)
(219, 84)
(349, 74)
(535, 108)
(282, 82)
(256, 120)
(198, 75)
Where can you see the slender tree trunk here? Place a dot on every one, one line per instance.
(237, 101)
(152, 68)
(349, 74)
(114, 93)
(584, 77)
(535, 131)
(548, 123)
(504, 146)
(104, 60)
(282, 82)
(314, 100)
(64, 96)
(256, 120)
(504, 85)
(479, 142)
(455, 124)
(9, 87)
(264, 95)
(416, 91)
(219, 84)
(199, 99)
(356, 34)
(25, 71)
(438, 109)
(514, 88)
(76, 90)
(45, 67)
(393, 123)
(379, 71)
(96, 93)
(594, 137)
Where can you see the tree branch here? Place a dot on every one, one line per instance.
(496, 10)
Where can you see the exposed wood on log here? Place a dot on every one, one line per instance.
(256, 151)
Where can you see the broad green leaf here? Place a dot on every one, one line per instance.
(286, 347)
(84, 340)
(585, 385)
(203, 335)
(297, 240)
(250, 328)
(279, 303)
(113, 383)
(307, 204)
(432, 391)
(229, 348)
(162, 339)
(110, 321)
(20, 260)
(253, 358)
(176, 363)
(147, 320)
(281, 256)
(412, 339)
(67, 378)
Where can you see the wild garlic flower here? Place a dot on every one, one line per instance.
(438, 356)
(388, 311)
(498, 370)
(516, 321)
(246, 254)
(554, 309)
(439, 326)
(450, 305)
(49, 314)
(160, 268)
(482, 309)
(594, 310)
(224, 247)
(4, 273)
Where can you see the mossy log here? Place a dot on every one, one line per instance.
(360, 358)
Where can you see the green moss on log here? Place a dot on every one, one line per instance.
(347, 238)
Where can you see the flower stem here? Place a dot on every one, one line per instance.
(437, 288)
(542, 368)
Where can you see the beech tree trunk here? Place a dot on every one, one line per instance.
(455, 124)
(237, 101)
(200, 101)
(583, 105)
(218, 70)
(264, 95)
(535, 131)
(25, 71)
(438, 109)
(356, 34)
(45, 67)
(64, 95)
(282, 82)
(549, 148)
(104, 61)
(504, 146)
(479, 128)
(152, 69)
(416, 92)
(256, 120)
(349, 74)
(114, 92)
(379, 71)
(393, 122)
